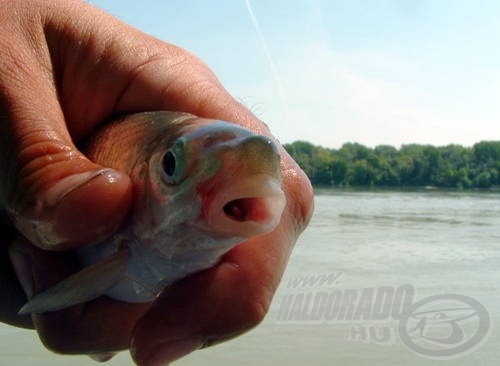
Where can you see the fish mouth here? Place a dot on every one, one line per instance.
(246, 209)
(253, 206)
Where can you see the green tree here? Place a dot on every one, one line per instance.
(339, 172)
(411, 165)
(361, 174)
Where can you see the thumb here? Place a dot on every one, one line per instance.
(58, 199)
(54, 195)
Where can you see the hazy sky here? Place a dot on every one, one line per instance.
(370, 71)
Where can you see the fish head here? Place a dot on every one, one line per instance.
(213, 180)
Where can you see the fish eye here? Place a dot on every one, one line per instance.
(169, 163)
(173, 163)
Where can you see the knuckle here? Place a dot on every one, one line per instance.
(255, 310)
(39, 164)
(59, 334)
(67, 334)
(255, 305)
(245, 315)
(248, 302)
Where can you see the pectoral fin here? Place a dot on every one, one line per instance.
(88, 284)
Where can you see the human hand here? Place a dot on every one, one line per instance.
(64, 68)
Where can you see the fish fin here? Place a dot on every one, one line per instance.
(85, 285)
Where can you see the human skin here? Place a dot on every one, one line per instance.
(65, 67)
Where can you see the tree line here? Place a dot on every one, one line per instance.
(412, 165)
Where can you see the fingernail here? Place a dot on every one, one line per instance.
(165, 353)
(94, 210)
(22, 266)
(102, 357)
(71, 217)
(66, 185)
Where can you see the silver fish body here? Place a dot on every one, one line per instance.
(200, 188)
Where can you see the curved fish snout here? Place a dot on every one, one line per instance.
(255, 154)
(259, 153)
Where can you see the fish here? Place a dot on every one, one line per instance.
(200, 187)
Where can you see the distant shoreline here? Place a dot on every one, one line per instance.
(409, 189)
(425, 167)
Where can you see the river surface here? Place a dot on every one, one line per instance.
(431, 243)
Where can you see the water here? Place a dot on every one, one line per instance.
(440, 242)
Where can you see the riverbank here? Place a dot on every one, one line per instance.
(319, 189)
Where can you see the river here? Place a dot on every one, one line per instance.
(432, 242)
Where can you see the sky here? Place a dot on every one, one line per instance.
(330, 72)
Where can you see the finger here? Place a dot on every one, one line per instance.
(55, 196)
(227, 300)
(12, 294)
(97, 328)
